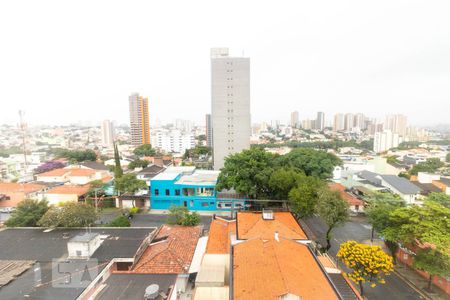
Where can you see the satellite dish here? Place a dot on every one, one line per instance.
(151, 292)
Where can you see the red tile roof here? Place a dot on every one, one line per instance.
(78, 190)
(219, 236)
(172, 254)
(20, 187)
(81, 172)
(69, 172)
(54, 173)
(252, 225)
(352, 200)
(268, 269)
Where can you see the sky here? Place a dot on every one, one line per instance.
(68, 61)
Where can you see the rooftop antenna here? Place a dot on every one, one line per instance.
(23, 127)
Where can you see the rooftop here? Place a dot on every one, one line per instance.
(69, 189)
(401, 184)
(352, 200)
(203, 177)
(20, 187)
(54, 173)
(84, 237)
(219, 236)
(252, 225)
(292, 268)
(94, 165)
(170, 252)
(166, 176)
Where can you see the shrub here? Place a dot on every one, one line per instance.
(120, 221)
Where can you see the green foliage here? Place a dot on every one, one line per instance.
(138, 163)
(379, 208)
(6, 152)
(179, 215)
(334, 144)
(440, 198)
(145, 150)
(447, 157)
(332, 209)
(118, 172)
(433, 262)
(303, 197)
(120, 221)
(128, 183)
(70, 214)
(248, 172)
(75, 155)
(282, 181)
(27, 213)
(311, 162)
(429, 166)
(133, 210)
(196, 152)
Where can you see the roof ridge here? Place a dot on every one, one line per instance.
(287, 288)
(148, 259)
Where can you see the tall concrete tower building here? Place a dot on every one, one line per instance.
(139, 121)
(230, 104)
(320, 121)
(295, 122)
(339, 122)
(107, 133)
(209, 139)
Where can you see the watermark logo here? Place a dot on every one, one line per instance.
(73, 273)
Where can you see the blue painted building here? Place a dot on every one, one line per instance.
(188, 187)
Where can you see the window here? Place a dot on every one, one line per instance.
(188, 192)
(205, 192)
(167, 192)
(177, 192)
(205, 204)
(191, 203)
(156, 192)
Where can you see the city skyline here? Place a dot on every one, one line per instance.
(299, 62)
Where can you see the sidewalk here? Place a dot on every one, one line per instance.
(412, 277)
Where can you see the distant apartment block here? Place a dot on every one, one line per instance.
(396, 123)
(139, 120)
(339, 122)
(230, 96)
(173, 140)
(295, 119)
(320, 121)
(385, 140)
(209, 131)
(107, 133)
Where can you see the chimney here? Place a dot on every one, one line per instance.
(277, 238)
(267, 214)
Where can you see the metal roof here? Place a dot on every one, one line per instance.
(401, 184)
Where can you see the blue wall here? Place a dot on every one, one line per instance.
(159, 199)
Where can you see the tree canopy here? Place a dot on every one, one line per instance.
(303, 196)
(138, 163)
(70, 214)
(128, 183)
(441, 198)
(431, 165)
(180, 215)
(144, 150)
(118, 172)
(48, 166)
(75, 155)
(27, 213)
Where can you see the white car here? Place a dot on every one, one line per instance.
(7, 210)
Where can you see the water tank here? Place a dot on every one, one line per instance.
(151, 292)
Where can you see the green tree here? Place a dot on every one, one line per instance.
(303, 197)
(118, 172)
(447, 157)
(431, 165)
(120, 221)
(248, 172)
(128, 183)
(138, 163)
(368, 263)
(440, 198)
(180, 215)
(145, 150)
(28, 213)
(311, 162)
(70, 214)
(332, 209)
(282, 181)
(435, 263)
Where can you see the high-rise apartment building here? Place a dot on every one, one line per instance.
(209, 131)
(320, 121)
(139, 120)
(230, 104)
(359, 122)
(107, 133)
(339, 122)
(396, 124)
(348, 123)
(294, 119)
(173, 140)
(385, 140)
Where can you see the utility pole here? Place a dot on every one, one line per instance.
(23, 131)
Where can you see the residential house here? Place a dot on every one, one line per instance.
(355, 205)
(67, 193)
(402, 187)
(12, 194)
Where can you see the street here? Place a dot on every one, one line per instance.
(359, 230)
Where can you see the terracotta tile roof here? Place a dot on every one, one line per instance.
(352, 200)
(107, 179)
(219, 236)
(20, 187)
(252, 225)
(79, 190)
(268, 269)
(172, 255)
(54, 173)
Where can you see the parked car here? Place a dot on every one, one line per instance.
(7, 210)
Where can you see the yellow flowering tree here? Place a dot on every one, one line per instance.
(368, 263)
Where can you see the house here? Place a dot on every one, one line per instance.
(355, 205)
(149, 172)
(188, 187)
(402, 187)
(74, 174)
(12, 194)
(67, 193)
(444, 184)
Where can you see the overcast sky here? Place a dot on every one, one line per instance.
(66, 61)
